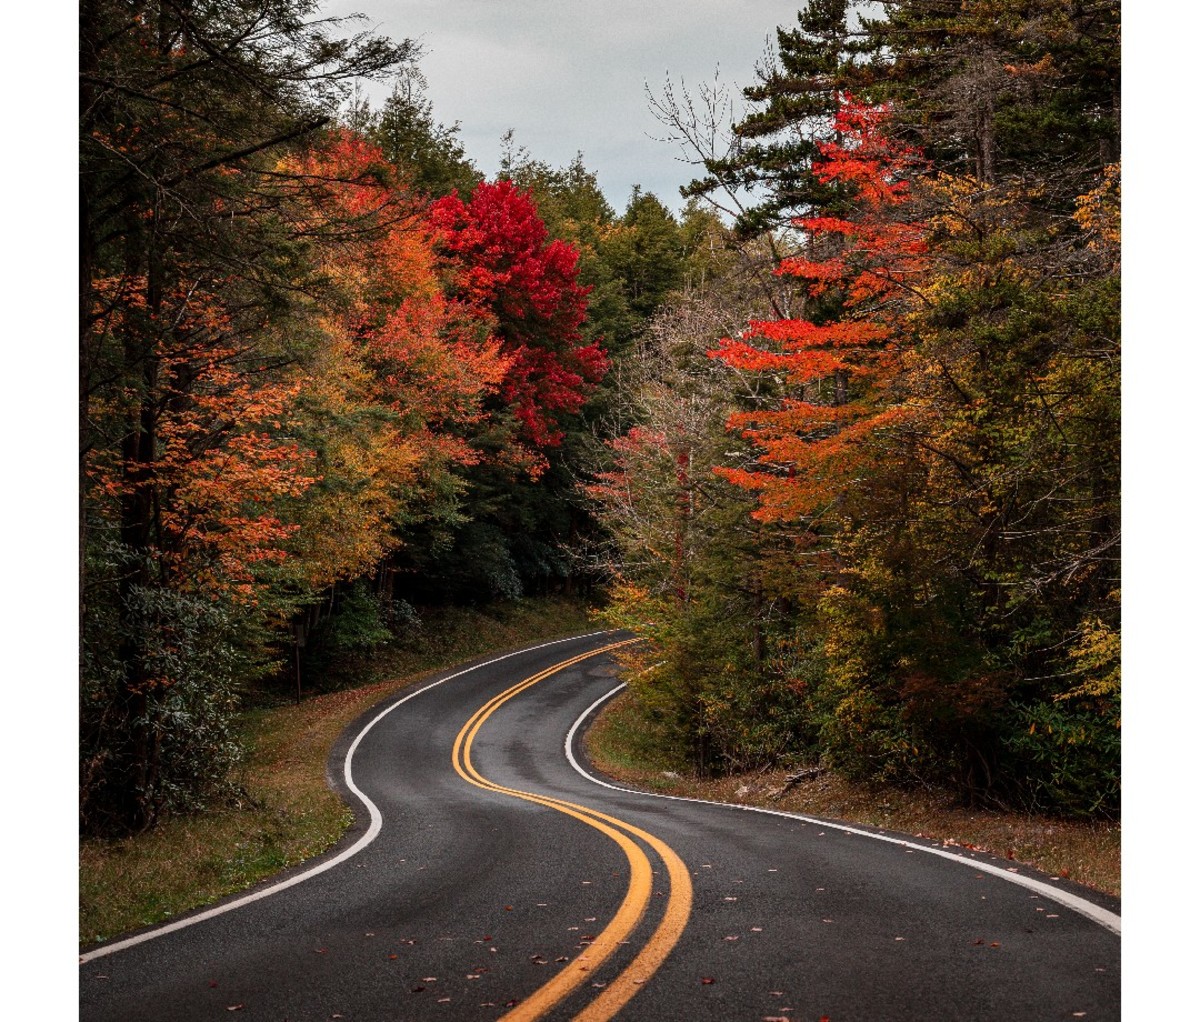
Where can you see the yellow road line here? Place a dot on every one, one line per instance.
(637, 898)
(656, 949)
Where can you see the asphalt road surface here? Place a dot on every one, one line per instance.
(487, 877)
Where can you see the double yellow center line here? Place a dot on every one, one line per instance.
(641, 882)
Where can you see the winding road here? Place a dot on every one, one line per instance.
(490, 876)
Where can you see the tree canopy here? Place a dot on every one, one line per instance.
(842, 447)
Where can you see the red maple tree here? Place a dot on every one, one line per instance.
(506, 273)
(839, 363)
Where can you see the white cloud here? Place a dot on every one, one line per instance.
(571, 76)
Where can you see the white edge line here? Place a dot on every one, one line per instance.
(1109, 920)
(370, 835)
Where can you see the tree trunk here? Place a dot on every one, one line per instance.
(683, 510)
(136, 530)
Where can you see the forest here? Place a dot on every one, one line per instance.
(839, 441)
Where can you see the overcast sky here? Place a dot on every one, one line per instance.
(570, 76)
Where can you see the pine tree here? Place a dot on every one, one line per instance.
(796, 97)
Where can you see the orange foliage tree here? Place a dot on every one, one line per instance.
(840, 359)
(406, 371)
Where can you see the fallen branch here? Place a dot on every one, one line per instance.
(798, 778)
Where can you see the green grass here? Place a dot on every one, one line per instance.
(626, 743)
(288, 812)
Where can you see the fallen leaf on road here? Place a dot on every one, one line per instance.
(235, 1007)
(756, 929)
(707, 980)
(731, 938)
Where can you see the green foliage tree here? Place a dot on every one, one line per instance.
(994, 88)
(645, 251)
(428, 153)
(573, 207)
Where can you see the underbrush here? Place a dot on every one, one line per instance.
(622, 744)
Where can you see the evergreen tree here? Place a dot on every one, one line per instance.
(429, 154)
(645, 251)
(1000, 88)
(795, 97)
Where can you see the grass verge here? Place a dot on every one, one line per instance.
(288, 813)
(620, 744)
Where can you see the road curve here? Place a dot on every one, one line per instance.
(488, 877)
